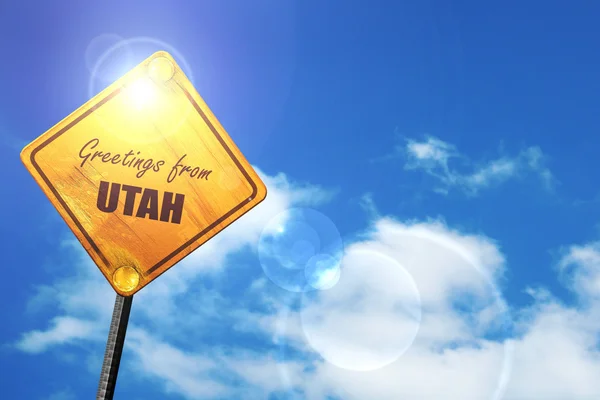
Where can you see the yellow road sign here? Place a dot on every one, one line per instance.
(143, 174)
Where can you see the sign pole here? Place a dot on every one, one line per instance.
(114, 348)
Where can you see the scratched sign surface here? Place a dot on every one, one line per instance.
(143, 174)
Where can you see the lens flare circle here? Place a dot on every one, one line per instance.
(372, 285)
(322, 271)
(300, 249)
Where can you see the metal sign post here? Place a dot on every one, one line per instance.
(114, 348)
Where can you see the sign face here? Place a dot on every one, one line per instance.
(143, 174)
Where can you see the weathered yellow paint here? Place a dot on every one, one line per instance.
(153, 110)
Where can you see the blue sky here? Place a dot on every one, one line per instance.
(451, 145)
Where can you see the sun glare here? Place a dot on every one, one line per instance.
(141, 92)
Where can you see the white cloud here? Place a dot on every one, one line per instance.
(580, 268)
(208, 375)
(66, 394)
(367, 203)
(302, 194)
(180, 372)
(431, 152)
(557, 357)
(63, 330)
(264, 372)
(434, 156)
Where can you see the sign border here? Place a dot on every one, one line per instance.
(186, 244)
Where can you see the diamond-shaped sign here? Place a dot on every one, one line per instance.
(143, 174)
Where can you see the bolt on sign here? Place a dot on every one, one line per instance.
(143, 174)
